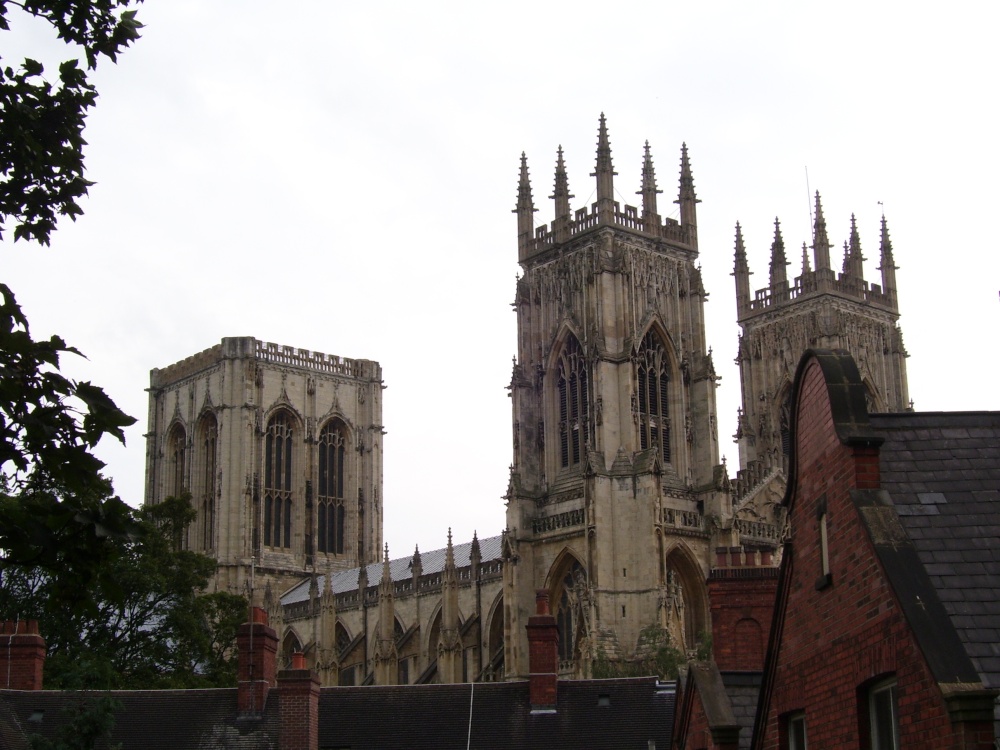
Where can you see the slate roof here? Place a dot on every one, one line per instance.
(607, 714)
(743, 689)
(942, 472)
(151, 719)
(399, 568)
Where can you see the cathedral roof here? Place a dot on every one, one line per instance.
(400, 569)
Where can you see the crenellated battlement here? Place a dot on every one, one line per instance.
(333, 364)
(631, 218)
(269, 352)
(815, 282)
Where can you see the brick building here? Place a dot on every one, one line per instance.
(287, 709)
(885, 624)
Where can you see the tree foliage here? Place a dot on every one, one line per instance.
(41, 131)
(90, 721)
(56, 509)
(150, 626)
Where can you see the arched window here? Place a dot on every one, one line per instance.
(208, 438)
(652, 368)
(278, 481)
(177, 454)
(330, 513)
(569, 612)
(574, 404)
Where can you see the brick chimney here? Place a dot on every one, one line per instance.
(257, 646)
(543, 655)
(22, 655)
(298, 701)
(741, 591)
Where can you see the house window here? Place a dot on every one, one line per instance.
(795, 735)
(883, 716)
(825, 576)
(653, 409)
(278, 481)
(574, 404)
(330, 513)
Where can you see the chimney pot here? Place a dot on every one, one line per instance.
(542, 602)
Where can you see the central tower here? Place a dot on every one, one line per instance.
(614, 423)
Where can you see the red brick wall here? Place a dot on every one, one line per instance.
(257, 648)
(699, 736)
(298, 699)
(22, 655)
(840, 637)
(543, 654)
(742, 602)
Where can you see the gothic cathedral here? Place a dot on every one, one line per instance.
(617, 504)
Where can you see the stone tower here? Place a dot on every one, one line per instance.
(614, 486)
(281, 451)
(818, 309)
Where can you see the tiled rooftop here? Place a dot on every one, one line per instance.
(942, 471)
(609, 714)
(399, 568)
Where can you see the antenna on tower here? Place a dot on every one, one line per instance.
(809, 198)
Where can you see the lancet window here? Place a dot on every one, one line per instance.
(177, 452)
(653, 406)
(332, 469)
(574, 404)
(278, 481)
(207, 444)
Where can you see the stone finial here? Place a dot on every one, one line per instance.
(741, 271)
(805, 260)
(648, 191)
(821, 242)
(779, 274)
(687, 199)
(605, 174)
(887, 265)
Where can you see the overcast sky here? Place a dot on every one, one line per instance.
(340, 177)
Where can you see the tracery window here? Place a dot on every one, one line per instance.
(207, 443)
(652, 368)
(177, 452)
(574, 404)
(569, 612)
(278, 481)
(330, 511)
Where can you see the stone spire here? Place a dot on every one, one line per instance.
(779, 274)
(561, 196)
(525, 208)
(853, 259)
(805, 260)
(887, 266)
(741, 270)
(821, 242)
(416, 563)
(475, 554)
(687, 199)
(605, 174)
(449, 643)
(650, 217)
(386, 658)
